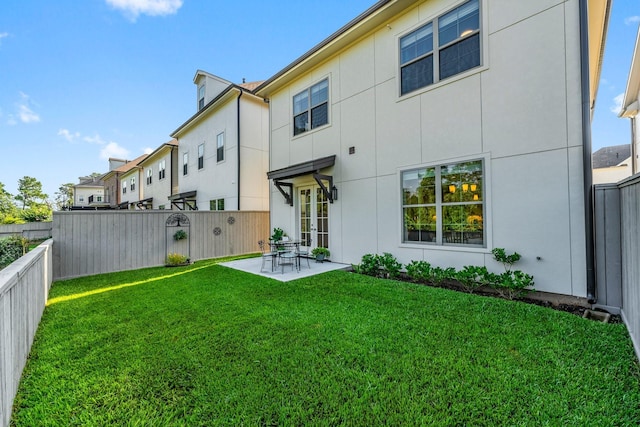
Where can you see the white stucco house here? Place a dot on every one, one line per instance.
(121, 170)
(438, 130)
(223, 150)
(131, 192)
(89, 192)
(631, 105)
(159, 179)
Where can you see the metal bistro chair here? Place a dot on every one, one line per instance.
(288, 256)
(303, 254)
(270, 254)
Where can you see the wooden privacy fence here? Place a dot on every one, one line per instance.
(24, 287)
(617, 225)
(30, 230)
(92, 242)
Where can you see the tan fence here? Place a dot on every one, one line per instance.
(24, 287)
(92, 242)
(30, 230)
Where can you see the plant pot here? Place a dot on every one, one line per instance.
(320, 258)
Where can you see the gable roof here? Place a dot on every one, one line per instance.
(170, 144)
(607, 157)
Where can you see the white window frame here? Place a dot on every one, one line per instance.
(436, 49)
(162, 166)
(124, 186)
(149, 176)
(201, 93)
(220, 147)
(133, 183)
(201, 156)
(185, 163)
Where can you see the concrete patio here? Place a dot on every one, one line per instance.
(252, 265)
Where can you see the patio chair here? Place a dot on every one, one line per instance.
(303, 254)
(267, 255)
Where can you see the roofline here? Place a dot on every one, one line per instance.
(633, 83)
(157, 150)
(326, 42)
(210, 104)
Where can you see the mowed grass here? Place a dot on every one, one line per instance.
(208, 345)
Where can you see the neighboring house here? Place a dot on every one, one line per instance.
(611, 164)
(160, 176)
(439, 130)
(132, 194)
(223, 149)
(113, 182)
(631, 106)
(88, 193)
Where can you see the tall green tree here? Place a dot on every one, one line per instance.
(64, 196)
(8, 209)
(30, 192)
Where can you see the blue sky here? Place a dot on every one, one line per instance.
(82, 81)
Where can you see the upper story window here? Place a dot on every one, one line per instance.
(124, 187)
(311, 108)
(185, 162)
(216, 205)
(444, 204)
(149, 176)
(200, 97)
(133, 183)
(200, 156)
(161, 169)
(444, 47)
(220, 147)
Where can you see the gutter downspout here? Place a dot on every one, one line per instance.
(238, 178)
(586, 152)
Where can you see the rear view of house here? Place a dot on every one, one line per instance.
(440, 129)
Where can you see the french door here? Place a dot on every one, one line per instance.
(313, 217)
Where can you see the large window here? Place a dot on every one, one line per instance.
(444, 47)
(220, 147)
(200, 97)
(149, 176)
(444, 204)
(200, 156)
(216, 205)
(133, 183)
(311, 108)
(124, 187)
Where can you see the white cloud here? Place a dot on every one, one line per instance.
(27, 115)
(97, 139)
(68, 135)
(112, 149)
(617, 104)
(148, 150)
(133, 8)
(631, 20)
(3, 36)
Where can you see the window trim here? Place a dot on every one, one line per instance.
(220, 148)
(185, 163)
(149, 176)
(201, 156)
(310, 108)
(133, 183)
(124, 186)
(435, 52)
(162, 166)
(486, 208)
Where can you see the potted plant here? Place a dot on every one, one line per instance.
(180, 235)
(320, 253)
(277, 234)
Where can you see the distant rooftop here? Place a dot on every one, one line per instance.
(607, 157)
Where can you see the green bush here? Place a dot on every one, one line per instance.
(472, 277)
(369, 265)
(11, 249)
(441, 274)
(390, 265)
(420, 271)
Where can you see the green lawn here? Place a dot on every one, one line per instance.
(207, 345)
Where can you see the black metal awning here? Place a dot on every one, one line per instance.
(312, 167)
(184, 201)
(145, 203)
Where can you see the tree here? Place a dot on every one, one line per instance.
(6, 201)
(64, 196)
(30, 192)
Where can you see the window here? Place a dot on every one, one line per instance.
(133, 183)
(149, 176)
(98, 198)
(161, 169)
(220, 147)
(200, 97)
(216, 205)
(200, 156)
(81, 199)
(124, 187)
(311, 108)
(428, 56)
(161, 207)
(444, 204)
(185, 161)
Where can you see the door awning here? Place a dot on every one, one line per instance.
(312, 167)
(184, 201)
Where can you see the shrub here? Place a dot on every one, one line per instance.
(176, 259)
(390, 265)
(11, 249)
(500, 255)
(369, 265)
(442, 274)
(513, 284)
(420, 271)
(321, 251)
(472, 277)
